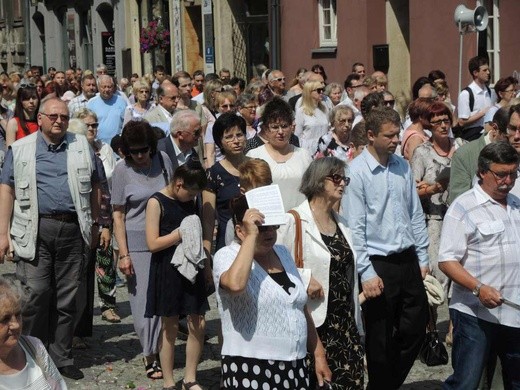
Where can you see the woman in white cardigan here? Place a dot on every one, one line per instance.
(329, 270)
(266, 327)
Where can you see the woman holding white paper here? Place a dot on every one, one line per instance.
(329, 270)
(267, 329)
(229, 134)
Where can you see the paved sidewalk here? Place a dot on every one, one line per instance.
(113, 359)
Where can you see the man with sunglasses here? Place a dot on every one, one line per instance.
(480, 253)
(50, 186)
(390, 239)
(276, 82)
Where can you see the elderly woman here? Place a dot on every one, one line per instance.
(311, 116)
(141, 91)
(267, 329)
(25, 111)
(505, 89)
(24, 361)
(336, 141)
(329, 270)
(334, 91)
(229, 132)
(247, 105)
(287, 162)
(144, 172)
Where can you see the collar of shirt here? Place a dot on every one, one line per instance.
(52, 147)
(181, 157)
(166, 113)
(482, 197)
(373, 164)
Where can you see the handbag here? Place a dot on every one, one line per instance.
(298, 239)
(433, 352)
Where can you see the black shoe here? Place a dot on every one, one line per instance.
(71, 372)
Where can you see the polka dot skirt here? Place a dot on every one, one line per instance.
(247, 373)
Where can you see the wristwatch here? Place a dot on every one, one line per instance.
(476, 290)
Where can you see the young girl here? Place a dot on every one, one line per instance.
(170, 294)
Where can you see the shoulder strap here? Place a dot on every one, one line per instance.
(31, 350)
(471, 98)
(298, 239)
(163, 169)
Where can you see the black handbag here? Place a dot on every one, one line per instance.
(433, 352)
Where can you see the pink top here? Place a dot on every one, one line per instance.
(407, 153)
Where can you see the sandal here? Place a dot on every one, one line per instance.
(189, 385)
(153, 369)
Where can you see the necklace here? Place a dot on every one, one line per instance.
(329, 229)
(441, 152)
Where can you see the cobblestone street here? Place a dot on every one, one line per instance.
(113, 361)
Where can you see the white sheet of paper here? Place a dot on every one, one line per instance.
(268, 200)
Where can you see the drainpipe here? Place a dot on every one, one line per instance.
(275, 35)
(27, 34)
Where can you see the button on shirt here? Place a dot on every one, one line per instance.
(485, 238)
(54, 195)
(383, 211)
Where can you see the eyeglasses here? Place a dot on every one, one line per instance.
(503, 175)
(27, 85)
(440, 121)
(512, 129)
(277, 128)
(509, 90)
(267, 228)
(251, 108)
(94, 125)
(347, 122)
(174, 97)
(337, 178)
(135, 152)
(232, 137)
(195, 132)
(54, 117)
(319, 90)
(389, 103)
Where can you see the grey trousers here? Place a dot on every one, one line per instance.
(52, 280)
(147, 329)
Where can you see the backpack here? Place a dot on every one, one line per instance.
(472, 97)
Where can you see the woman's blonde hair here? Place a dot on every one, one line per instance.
(308, 103)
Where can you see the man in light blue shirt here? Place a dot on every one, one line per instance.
(109, 108)
(384, 212)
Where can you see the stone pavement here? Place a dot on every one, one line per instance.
(113, 359)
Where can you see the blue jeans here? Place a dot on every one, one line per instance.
(472, 340)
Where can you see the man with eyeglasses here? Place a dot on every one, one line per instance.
(109, 107)
(276, 83)
(480, 253)
(88, 91)
(161, 115)
(384, 212)
(185, 132)
(50, 186)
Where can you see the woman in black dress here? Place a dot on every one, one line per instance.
(170, 294)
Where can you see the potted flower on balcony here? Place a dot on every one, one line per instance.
(154, 36)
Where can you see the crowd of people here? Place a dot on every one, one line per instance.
(143, 181)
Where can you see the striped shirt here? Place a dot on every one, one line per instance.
(485, 238)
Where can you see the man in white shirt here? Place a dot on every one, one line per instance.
(480, 252)
(475, 100)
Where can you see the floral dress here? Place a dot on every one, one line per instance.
(327, 146)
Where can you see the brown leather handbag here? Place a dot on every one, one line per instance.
(298, 239)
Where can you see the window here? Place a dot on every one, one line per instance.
(327, 23)
(489, 39)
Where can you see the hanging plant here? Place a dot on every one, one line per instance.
(154, 36)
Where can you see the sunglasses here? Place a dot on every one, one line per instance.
(267, 228)
(320, 90)
(54, 117)
(27, 85)
(337, 178)
(280, 79)
(144, 150)
(93, 125)
(389, 102)
(227, 106)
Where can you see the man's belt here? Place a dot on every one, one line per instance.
(63, 217)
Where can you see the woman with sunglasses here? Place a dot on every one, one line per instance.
(430, 164)
(266, 327)
(229, 132)
(311, 116)
(25, 111)
(329, 270)
(143, 172)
